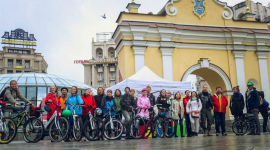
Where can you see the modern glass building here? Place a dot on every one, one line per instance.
(35, 86)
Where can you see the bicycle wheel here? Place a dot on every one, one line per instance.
(150, 128)
(93, 133)
(77, 129)
(240, 127)
(59, 129)
(9, 130)
(113, 130)
(159, 128)
(137, 127)
(33, 130)
(169, 127)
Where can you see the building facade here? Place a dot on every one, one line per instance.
(260, 13)
(102, 69)
(18, 54)
(196, 37)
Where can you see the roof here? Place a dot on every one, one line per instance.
(145, 74)
(194, 27)
(40, 79)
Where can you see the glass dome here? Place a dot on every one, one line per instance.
(35, 86)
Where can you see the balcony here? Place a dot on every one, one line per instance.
(100, 69)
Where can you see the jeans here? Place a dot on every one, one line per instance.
(188, 125)
(220, 121)
(256, 117)
(127, 116)
(195, 124)
(206, 117)
(265, 120)
(180, 121)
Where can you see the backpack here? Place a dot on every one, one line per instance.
(2, 94)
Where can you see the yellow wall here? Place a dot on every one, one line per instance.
(153, 60)
(126, 63)
(252, 67)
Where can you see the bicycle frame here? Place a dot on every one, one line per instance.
(3, 126)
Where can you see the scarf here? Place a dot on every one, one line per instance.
(109, 97)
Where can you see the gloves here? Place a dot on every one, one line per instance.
(144, 107)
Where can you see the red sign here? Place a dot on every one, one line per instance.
(81, 61)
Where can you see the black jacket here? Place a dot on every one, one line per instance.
(237, 104)
(152, 99)
(98, 99)
(127, 102)
(206, 100)
(252, 99)
(163, 102)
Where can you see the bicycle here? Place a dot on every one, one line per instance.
(113, 128)
(58, 126)
(243, 124)
(93, 126)
(164, 125)
(32, 127)
(151, 123)
(8, 128)
(137, 121)
(77, 124)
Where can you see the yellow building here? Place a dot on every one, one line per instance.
(195, 37)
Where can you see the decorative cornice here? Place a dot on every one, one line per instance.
(239, 54)
(139, 50)
(262, 54)
(227, 13)
(170, 9)
(166, 51)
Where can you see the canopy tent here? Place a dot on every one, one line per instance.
(145, 77)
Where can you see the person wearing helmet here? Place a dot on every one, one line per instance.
(253, 104)
(63, 97)
(143, 104)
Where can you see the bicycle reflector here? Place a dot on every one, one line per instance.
(66, 113)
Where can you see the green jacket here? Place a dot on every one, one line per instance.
(117, 102)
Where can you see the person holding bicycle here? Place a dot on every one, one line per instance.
(128, 104)
(164, 103)
(108, 104)
(143, 104)
(75, 99)
(11, 93)
(117, 97)
(89, 102)
(50, 100)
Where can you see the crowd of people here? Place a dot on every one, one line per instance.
(194, 109)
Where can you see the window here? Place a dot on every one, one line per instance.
(100, 84)
(99, 66)
(111, 54)
(27, 64)
(18, 62)
(99, 55)
(113, 83)
(99, 76)
(10, 71)
(10, 51)
(20, 52)
(10, 63)
(111, 65)
(18, 71)
(41, 93)
(22, 91)
(112, 74)
(31, 93)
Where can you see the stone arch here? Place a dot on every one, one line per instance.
(111, 52)
(99, 53)
(213, 74)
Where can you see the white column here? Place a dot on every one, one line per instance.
(139, 57)
(240, 70)
(167, 62)
(262, 58)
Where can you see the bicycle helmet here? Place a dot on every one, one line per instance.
(98, 111)
(66, 113)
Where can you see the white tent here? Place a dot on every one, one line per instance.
(145, 77)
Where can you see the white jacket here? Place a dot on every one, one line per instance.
(193, 105)
(175, 109)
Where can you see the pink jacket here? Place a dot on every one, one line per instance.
(142, 102)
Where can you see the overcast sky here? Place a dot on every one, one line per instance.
(64, 28)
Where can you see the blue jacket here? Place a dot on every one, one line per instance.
(106, 104)
(76, 99)
(252, 99)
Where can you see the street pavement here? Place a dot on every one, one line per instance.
(230, 142)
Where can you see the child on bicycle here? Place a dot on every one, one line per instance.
(143, 104)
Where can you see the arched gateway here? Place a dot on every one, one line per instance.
(202, 39)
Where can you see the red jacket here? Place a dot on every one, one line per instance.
(55, 100)
(185, 101)
(88, 101)
(220, 107)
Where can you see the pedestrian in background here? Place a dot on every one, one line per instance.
(263, 109)
(178, 113)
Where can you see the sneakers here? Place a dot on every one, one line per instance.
(224, 134)
(258, 133)
(217, 134)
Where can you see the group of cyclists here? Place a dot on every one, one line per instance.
(112, 115)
